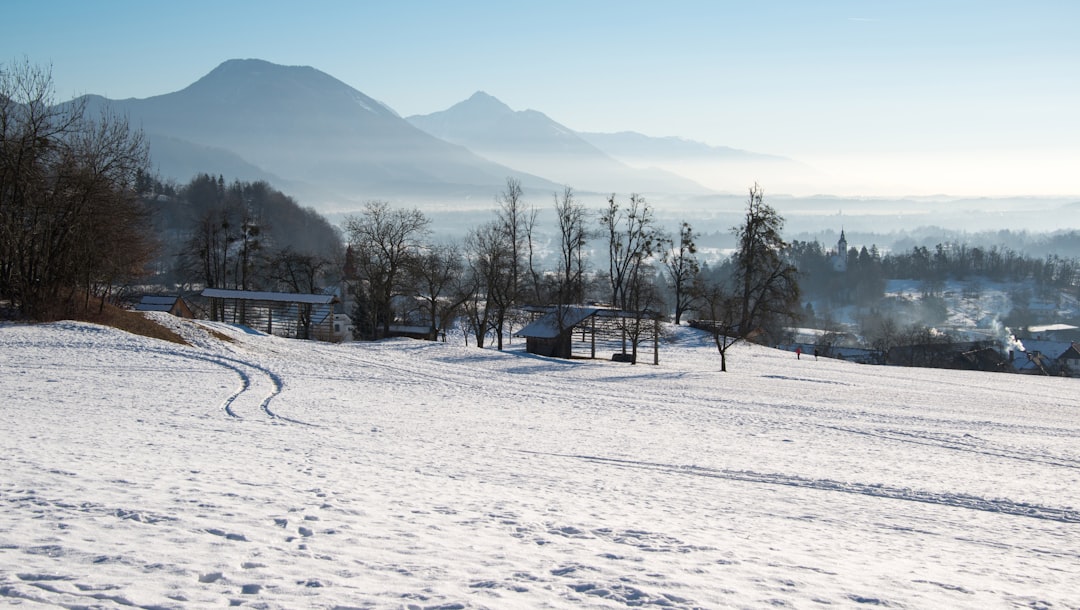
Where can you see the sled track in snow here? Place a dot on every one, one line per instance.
(241, 368)
(996, 505)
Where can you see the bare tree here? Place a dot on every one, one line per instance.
(632, 237)
(66, 182)
(573, 237)
(762, 289)
(434, 274)
(490, 260)
(681, 264)
(384, 240)
(517, 221)
(722, 309)
(297, 271)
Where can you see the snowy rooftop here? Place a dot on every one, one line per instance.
(1046, 328)
(548, 325)
(156, 303)
(281, 297)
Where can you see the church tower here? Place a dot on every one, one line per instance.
(840, 262)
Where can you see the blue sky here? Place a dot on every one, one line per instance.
(965, 97)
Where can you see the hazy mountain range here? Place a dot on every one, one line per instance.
(333, 146)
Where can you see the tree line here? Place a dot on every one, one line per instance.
(398, 275)
(862, 283)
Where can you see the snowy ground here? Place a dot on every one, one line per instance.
(270, 473)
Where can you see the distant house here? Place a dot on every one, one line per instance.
(1069, 361)
(176, 305)
(984, 358)
(1044, 357)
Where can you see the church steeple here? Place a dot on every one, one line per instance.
(840, 262)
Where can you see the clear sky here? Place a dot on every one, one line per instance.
(889, 97)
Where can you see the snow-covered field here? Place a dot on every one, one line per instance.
(269, 473)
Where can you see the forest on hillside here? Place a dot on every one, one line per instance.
(238, 235)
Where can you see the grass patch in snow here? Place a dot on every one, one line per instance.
(129, 321)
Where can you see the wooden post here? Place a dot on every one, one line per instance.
(592, 319)
(656, 342)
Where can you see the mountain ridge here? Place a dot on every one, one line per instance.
(337, 146)
(532, 141)
(307, 127)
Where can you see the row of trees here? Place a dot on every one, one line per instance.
(71, 224)
(484, 279)
(494, 272)
(959, 261)
(862, 283)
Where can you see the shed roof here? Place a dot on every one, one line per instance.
(547, 326)
(156, 303)
(1046, 328)
(279, 297)
(1050, 349)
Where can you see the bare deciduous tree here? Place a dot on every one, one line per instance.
(490, 257)
(573, 237)
(67, 183)
(722, 310)
(632, 237)
(434, 274)
(762, 289)
(297, 271)
(681, 264)
(384, 240)
(517, 220)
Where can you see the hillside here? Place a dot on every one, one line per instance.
(264, 471)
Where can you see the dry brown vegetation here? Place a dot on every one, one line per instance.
(129, 321)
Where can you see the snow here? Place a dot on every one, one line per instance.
(270, 473)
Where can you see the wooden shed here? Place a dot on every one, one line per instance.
(555, 331)
(176, 305)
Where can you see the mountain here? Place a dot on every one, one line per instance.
(311, 129)
(719, 167)
(531, 141)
